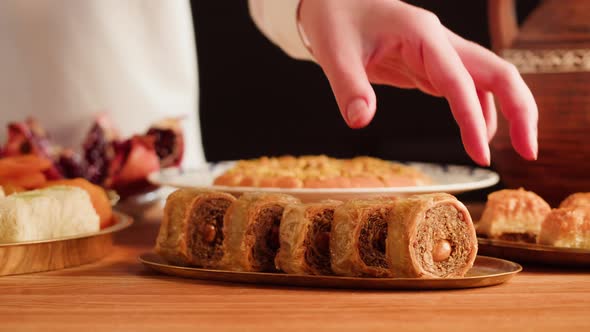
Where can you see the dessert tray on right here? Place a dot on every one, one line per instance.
(534, 253)
(519, 225)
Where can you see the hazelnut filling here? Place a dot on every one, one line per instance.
(442, 243)
(207, 235)
(441, 251)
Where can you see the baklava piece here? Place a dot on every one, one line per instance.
(357, 241)
(251, 231)
(513, 215)
(430, 236)
(576, 200)
(305, 238)
(191, 230)
(567, 227)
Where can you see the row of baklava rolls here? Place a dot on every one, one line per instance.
(523, 216)
(420, 236)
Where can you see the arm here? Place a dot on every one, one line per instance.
(277, 20)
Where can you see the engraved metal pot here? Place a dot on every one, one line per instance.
(552, 51)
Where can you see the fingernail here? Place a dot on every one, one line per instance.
(355, 112)
(535, 147)
(534, 142)
(487, 158)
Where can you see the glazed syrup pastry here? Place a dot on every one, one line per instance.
(522, 216)
(430, 236)
(191, 232)
(321, 172)
(567, 227)
(514, 215)
(576, 200)
(305, 238)
(251, 230)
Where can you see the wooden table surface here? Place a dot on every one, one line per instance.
(119, 294)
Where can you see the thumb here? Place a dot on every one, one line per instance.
(346, 72)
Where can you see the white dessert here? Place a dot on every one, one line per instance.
(46, 214)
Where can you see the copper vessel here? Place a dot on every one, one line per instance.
(551, 49)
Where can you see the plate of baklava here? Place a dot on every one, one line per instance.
(317, 177)
(520, 225)
(425, 241)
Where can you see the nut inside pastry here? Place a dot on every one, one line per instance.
(206, 230)
(440, 242)
(317, 254)
(373, 236)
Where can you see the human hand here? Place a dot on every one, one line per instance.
(393, 43)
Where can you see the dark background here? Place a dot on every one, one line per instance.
(255, 100)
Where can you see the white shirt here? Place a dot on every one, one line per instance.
(64, 61)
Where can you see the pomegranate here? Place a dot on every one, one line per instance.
(98, 149)
(29, 137)
(168, 141)
(134, 160)
(106, 160)
(71, 164)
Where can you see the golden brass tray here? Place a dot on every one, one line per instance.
(486, 271)
(534, 253)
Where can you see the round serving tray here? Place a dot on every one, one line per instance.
(534, 253)
(451, 179)
(486, 271)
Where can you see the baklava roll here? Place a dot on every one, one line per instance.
(357, 240)
(252, 231)
(430, 236)
(513, 215)
(191, 232)
(305, 238)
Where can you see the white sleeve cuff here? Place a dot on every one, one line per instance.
(277, 19)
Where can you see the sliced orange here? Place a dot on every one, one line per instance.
(21, 165)
(27, 181)
(98, 197)
(10, 189)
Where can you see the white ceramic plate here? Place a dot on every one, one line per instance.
(452, 179)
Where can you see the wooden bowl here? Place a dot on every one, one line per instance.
(61, 253)
(563, 166)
